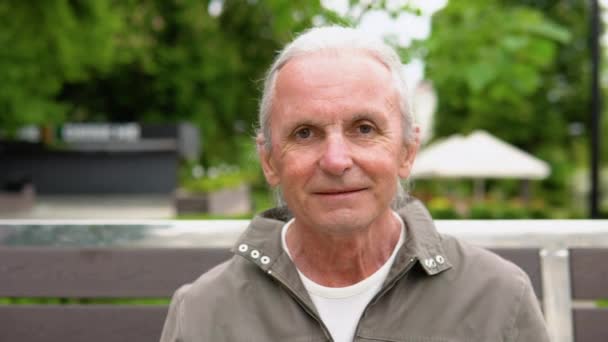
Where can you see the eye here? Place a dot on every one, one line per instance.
(303, 133)
(365, 128)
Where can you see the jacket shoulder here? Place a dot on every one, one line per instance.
(481, 263)
(213, 299)
(219, 283)
(495, 287)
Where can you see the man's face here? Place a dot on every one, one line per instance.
(337, 148)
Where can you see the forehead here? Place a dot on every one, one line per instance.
(329, 82)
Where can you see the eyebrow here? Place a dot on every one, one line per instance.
(304, 122)
(379, 119)
(365, 114)
(370, 115)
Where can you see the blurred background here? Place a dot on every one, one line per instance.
(147, 108)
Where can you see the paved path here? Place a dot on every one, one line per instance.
(97, 207)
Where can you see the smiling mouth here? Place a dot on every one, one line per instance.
(338, 192)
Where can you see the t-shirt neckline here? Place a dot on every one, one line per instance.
(375, 279)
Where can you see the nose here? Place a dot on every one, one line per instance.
(336, 158)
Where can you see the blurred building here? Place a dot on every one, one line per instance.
(75, 161)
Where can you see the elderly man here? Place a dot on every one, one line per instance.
(347, 258)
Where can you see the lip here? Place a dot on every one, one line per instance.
(338, 192)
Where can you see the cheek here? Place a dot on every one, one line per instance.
(381, 161)
(297, 167)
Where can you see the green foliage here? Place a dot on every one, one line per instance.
(603, 139)
(358, 8)
(194, 178)
(442, 209)
(504, 211)
(145, 60)
(517, 69)
(481, 211)
(206, 184)
(263, 199)
(45, 45)
(487, 62)
(210, 184)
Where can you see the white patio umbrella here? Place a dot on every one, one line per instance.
(478, 156)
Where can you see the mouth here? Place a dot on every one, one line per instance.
(338, 192)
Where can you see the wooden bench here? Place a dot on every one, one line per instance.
(567, 262)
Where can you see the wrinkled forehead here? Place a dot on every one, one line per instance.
(334, 85)
(327, 73)
(330, 54)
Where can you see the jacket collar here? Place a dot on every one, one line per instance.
(423, 241)
(261, 244)
(261, 241)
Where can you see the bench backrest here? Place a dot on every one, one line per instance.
(568, 281)
(95, 274)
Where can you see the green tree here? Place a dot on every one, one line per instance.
(194, 65)
(517, 70)
(46, 44)
(145, 60)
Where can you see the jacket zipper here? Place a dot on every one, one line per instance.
(303, 305)
(384, 290)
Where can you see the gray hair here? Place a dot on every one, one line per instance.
(332, 38)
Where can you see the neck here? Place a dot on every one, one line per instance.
(342, 259)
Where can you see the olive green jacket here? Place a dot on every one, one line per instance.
(439, 289)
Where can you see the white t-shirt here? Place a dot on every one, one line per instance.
(340, 308)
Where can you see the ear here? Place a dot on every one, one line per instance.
(265, 156)
(409, 154)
